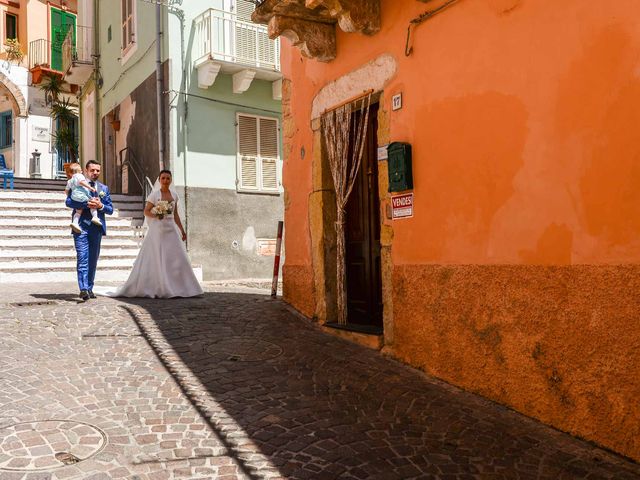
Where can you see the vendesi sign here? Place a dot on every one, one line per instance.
(402, 206)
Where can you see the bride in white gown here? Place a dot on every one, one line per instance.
(162, 268)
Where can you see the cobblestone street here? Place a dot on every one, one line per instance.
(234, 385)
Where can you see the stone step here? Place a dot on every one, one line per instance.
(49, 233)
(44, 223)
(17, 195)
(51, 255)
(20, 183)
(16, 244)
(60, 211)
(52, 212)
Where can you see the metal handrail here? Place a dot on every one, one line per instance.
(77, 46)
(137, 170)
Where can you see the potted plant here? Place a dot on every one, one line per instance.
(64, 114)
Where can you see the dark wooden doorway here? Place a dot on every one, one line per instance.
(362, 239)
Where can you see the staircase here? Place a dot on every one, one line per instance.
(36, 244)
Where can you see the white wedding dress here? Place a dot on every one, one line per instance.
(162, 268)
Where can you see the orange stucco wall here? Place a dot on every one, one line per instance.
(523, 119)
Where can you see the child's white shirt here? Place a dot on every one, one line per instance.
(75, 180)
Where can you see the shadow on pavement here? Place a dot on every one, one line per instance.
(281, 393)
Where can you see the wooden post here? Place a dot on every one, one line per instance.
(276, 261)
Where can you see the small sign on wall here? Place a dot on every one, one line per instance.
(402, 206)
(267, 247)
(396, 101)
(40, 134)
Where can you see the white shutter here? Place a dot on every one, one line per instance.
(244, 9)
(246, 41)
(269, 174)
(248, 151)
(258, 153)
(249, 173)
(269, 153)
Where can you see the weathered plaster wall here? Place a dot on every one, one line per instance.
(224, 228)
(526, 169)
(121, 78)
(137, 114)
(559, 343)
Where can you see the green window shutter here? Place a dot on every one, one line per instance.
(6, 129)
(61, 22)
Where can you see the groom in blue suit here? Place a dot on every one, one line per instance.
(88, 242)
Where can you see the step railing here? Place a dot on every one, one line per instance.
(129, 162)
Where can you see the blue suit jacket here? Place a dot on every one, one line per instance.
(107, 209)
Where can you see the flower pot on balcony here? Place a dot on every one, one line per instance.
(36, 75)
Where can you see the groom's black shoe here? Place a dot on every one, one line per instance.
(91, 294)
(84, 295)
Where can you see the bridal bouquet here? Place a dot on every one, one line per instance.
(162, 208)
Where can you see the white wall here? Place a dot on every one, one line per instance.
(88, 128)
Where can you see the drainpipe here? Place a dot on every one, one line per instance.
(96, 79)
(159, 85)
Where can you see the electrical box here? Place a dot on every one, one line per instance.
(400, 174)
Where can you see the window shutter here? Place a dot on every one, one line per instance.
(248, 151)
(258, 153)
(130, 20)
(269, 153)
(125, 40)
(245, 34)
(269, 174)
(244, 9)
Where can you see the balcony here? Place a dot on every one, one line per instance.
(222, 43)
(40, 60)
(77, 59)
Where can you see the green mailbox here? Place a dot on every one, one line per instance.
(400, 175)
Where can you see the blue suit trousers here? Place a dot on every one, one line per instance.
(88, 250)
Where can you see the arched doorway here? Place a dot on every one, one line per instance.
(12, 107)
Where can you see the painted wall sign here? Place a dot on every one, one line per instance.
(396, 101)
(402, 206)
(40, 134)
(382, 152)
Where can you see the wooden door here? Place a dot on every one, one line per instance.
(362, 238)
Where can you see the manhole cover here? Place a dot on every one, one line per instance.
(244, 349)
(32, 446)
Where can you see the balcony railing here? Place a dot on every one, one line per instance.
(221, 36)
(79, 51)
(39, 53)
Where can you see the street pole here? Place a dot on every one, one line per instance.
(276, 260)
(159, 85)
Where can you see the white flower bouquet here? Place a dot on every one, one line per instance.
(162, 208)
